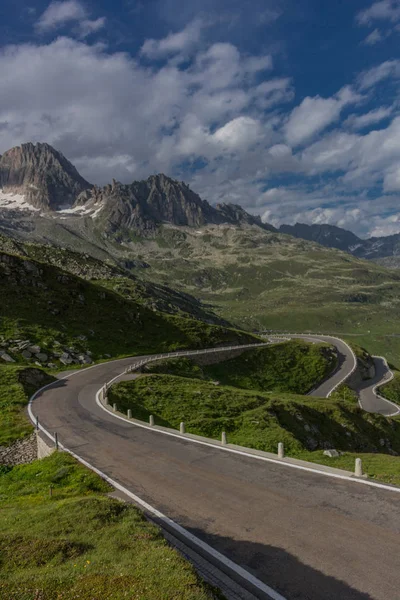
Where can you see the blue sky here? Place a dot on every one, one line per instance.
(289, 108)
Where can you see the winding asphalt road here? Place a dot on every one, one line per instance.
(370, 400)
(307, 535)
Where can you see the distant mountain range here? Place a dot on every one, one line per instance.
(43, 196)
(341, 239)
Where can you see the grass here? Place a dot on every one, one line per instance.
(17, 384)
(51, 308)
(391, 390)
(78, 543)
(293, 366)
(259, 279)
(288, 367)
(383, 467)
(257, 419)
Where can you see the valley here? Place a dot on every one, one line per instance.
(96, 276)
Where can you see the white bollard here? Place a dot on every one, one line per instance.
(281, 450)
(223, 438)
(182, 428)
(129, 413)
(151, 420)
(358, 472)
(115, 408)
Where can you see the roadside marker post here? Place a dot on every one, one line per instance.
(56, 440)
(114, 407)
(151, 420)
(358, 472)
(182, 428)
(281, 450)
(37, 423)
(223, 438)
(129, 413)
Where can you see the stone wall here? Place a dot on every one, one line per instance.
(45, 446)
(20, 452)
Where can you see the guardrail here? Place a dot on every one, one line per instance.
(169, 355)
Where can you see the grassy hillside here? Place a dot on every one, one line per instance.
(257, 419)
(260, 279)
(17, 384)
(81, 544)
(293, 366)
(59, 311)
(391, 390)
(114, 276)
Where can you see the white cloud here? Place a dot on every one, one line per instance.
(370, 77)
(58, 14)
(96, 106)
(315, 114)
(382, 226)
(385, 10)
(113, 115)
(370, 118)
(239, 133)
(87, 27)
(175, 43)
(374, 37)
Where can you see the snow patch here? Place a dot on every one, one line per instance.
(15, 202)
(81, 211)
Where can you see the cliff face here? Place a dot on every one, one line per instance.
(143, 205)
(41, 174)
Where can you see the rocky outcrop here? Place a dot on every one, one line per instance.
(236, 215)
(144, 205)
(41, 174)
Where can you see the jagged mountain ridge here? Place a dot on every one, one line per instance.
(144, 205)
(41, 175)
(38, 177)
(331, 236)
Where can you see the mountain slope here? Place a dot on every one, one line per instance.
(65, 315)
(116, 278)
(330, 236)
(326, 235)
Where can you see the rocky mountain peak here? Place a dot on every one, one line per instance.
(42, 175)
(235, 214)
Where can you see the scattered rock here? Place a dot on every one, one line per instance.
(332, 453)
(21, 452)
(42, 357)
(26, 354)
(6, 357)
(66, 360)
(34, 349)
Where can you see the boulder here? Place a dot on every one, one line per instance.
(34, 349)
(332, 453)
(26, 354)
(6, 357)
(66, 360)
(42, 357)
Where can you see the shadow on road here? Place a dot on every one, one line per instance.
(282, 571)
